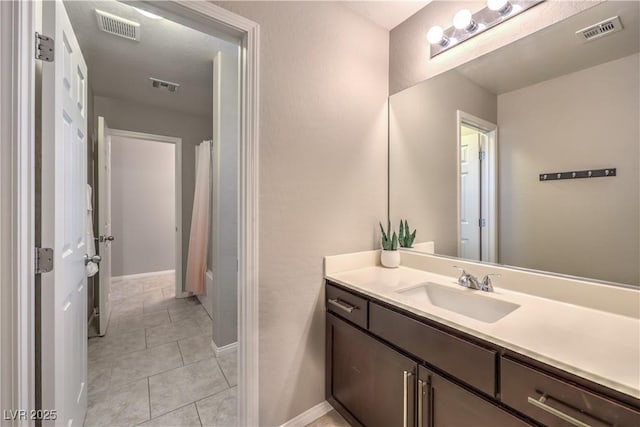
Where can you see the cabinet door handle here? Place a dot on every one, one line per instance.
(421, 385)
(405, 399)
(553, 411)
(342, 305)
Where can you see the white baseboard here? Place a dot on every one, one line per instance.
(140, 275)
(225, 349)
(309, 416)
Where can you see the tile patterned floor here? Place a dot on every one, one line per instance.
(155, 366)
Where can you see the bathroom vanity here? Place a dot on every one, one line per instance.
(407, 347)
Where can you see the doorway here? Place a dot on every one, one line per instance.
(200, 15)
(138, 182)
(157, 159)
(477, 188)
(24, 387)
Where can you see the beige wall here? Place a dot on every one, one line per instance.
(423, 154)
(592, 223)
(130, 116)
(142, 206)
(222, 291)
(323, 179)
(409, 61)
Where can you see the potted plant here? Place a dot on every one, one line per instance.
(406, 238)
(389, 256)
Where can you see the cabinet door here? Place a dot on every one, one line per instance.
(454, 406)
(370, 380)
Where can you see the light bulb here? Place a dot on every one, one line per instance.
(501, 6)
(435, 35)
(464, 20)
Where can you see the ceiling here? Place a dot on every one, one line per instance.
(120, 68)
(387, 14)
(556, 50)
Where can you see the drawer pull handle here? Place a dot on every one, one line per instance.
(421, 385)
(342, 305)
(405, 399)
(553, 411)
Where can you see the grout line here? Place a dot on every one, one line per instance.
(176, 409)
(222, 371)
(214, 394)
(180, 350)
(149, 396)
(198, 412)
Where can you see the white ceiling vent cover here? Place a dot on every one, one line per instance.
(601, 29)
(118, 26)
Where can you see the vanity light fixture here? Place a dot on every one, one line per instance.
(467, 24)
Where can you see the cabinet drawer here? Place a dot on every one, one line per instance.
(347, 305)
(555, 402)
(464, 360)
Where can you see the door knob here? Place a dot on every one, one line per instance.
(104, 238)
(110, 238)
(96, 259)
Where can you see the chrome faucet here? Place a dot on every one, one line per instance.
(486, 284)
(467, 280)
(470, 281)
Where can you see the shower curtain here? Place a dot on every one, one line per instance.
(199, 236)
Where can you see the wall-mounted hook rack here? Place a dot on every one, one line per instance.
(591, 173)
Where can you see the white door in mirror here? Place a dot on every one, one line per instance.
(469, 194)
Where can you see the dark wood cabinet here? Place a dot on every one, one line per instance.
(451, 405)
(387, 367)
(467, 361)
(373, 382)
(556, 402)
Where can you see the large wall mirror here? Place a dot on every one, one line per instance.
(475, 153)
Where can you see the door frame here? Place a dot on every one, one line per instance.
(17, 203)
(177, 142)
(18, 172)
(489, 184)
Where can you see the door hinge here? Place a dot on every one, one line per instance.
(45, 48)
(44, 260)
(482, 155)
(482, 222)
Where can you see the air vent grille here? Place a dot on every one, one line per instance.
(163, 84)
(118, 26)
(601, 29)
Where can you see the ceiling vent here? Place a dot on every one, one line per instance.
(118, 26)
(601, 29)
(163, 84)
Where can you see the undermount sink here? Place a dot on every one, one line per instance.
(462, 301)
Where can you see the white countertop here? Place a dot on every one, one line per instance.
(600, 346)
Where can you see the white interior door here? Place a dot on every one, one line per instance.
(64, 177)
(104, 223)
(469, 195)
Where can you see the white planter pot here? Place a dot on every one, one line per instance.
(390, 259)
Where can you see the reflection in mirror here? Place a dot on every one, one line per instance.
(477, 188)
(468, 147)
